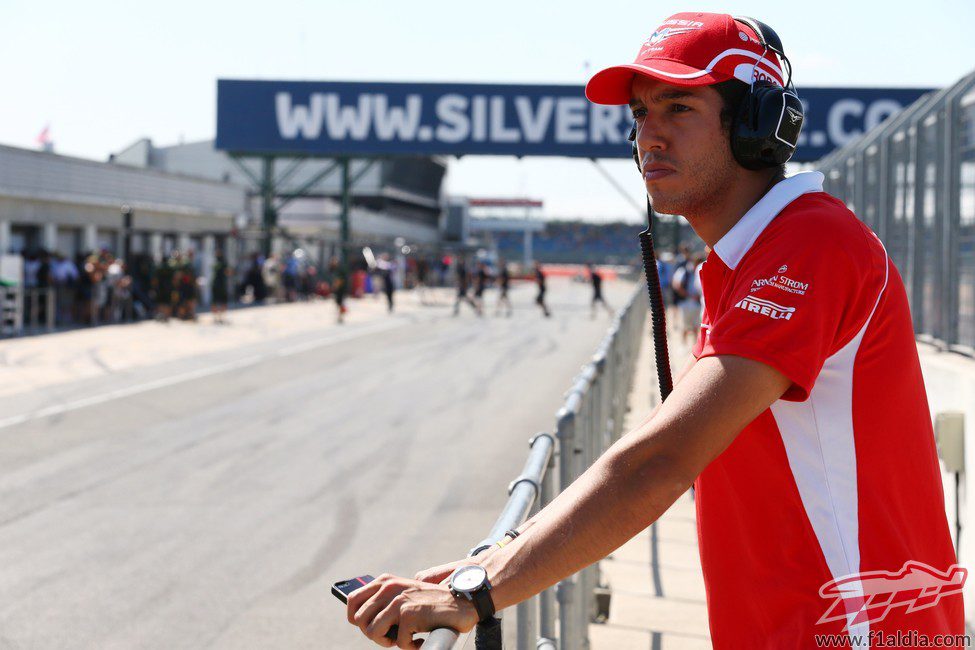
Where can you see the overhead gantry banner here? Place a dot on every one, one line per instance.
(372, 119)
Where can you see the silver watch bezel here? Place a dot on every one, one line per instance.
(468, 593)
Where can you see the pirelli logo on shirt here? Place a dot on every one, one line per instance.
(765, 308)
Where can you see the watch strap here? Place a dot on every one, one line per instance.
(483, 603)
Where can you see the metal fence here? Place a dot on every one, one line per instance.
(590, 420)
(35, 310)
(11, 311)
(912, 180)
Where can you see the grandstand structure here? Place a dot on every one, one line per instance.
(494, 217)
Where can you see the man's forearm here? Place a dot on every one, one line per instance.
(547, 510)
(567, 494)
(541, 514)
(610, 503)
(640, 476)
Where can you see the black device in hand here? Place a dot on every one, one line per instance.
(343, 588)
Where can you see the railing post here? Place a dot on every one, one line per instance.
(567, 589)
(568, 628)
(527, 625)
(565, 432)
(19, 314)
(546, 599)
(49, 312)
(35, 309)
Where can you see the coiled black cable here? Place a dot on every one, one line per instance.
(488, 635)
(658, 315)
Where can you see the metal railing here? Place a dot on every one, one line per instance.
(39, 309)
(590, 420)
(11, 311)
(912, 180)
(45, 309)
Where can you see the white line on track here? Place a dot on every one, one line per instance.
(236, 364)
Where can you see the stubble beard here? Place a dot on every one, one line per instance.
(709, 182)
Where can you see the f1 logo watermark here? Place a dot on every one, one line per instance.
(869, 596)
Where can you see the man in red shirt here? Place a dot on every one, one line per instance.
(801, 420)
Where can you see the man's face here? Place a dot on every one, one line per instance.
(684, 150)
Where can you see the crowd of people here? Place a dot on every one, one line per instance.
(87, 289)
(99, 287)
(680, 280)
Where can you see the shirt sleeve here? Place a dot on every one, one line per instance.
(795, 299)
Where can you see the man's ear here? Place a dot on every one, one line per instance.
(635, 149)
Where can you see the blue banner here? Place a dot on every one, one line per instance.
(364, 119)
(836, 116)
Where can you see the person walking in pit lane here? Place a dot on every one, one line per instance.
(480, 284)
(339, 281)
(222, 273)
(422, 277)
(387, 269)
(597, 290)
(540, 281)
(463, 285)
(504, 282)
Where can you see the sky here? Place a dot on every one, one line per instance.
(103, 74)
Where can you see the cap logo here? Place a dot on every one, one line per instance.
(679, 22)
(667, 32)
(751, 72)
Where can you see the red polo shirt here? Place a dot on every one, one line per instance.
(839, 477)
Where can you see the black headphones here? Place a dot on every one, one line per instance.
(765, 130)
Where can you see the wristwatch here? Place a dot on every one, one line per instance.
(471, 582)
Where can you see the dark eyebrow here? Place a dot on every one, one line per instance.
(663, 96)
(671, 94)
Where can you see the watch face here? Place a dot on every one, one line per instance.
(468, 578)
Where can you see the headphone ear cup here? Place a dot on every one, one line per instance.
(743, 130)
(766, 131)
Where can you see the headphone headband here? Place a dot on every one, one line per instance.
(768, 39)
(766, 35)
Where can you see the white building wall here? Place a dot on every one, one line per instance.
(58, 193)
(35, 175)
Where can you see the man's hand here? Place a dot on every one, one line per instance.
(441, 573)
(411, 605)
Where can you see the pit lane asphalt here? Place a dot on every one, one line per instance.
(209, 501)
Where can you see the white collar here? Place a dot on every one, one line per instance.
(737, 241)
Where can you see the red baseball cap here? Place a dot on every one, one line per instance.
(691, 49)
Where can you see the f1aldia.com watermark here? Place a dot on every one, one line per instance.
(868, 597)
